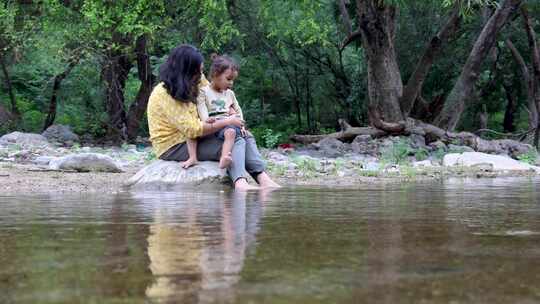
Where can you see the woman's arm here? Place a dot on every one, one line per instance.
(201, 105)
(209, 128)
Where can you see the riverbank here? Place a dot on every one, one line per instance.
(29, 178)
(29, 163)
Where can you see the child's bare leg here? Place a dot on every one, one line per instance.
(226, 156)
(192, 151)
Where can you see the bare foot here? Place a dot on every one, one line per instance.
(241, 184)
(266, 182)
(188, 163)
(225, 161)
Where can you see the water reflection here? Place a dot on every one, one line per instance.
(197, 247)
(457, 241)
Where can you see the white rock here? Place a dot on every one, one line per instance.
(85, 162)
(162, 172)
(499, 162)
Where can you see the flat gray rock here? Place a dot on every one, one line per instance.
(85, 162)
(162, 172)
(25, 139)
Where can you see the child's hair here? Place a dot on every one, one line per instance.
(221, 63)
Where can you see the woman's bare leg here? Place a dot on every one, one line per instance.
(192, 151)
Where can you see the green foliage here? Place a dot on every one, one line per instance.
(421, 154)
(289, 51)
(307, 166)
(439, 153)
(398, 152)
(277, 169)
(270, 139)
(530, 157)
(32, 121)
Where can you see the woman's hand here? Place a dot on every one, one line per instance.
(235, 121)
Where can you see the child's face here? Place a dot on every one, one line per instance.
(225, 80)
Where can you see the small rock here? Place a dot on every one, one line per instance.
(417, 141)
(371, 166)
(437, 145)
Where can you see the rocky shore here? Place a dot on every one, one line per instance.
(56, 161)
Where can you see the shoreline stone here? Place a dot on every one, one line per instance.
(162, 172)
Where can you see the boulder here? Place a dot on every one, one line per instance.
(475, 159)
(27, 140)
(61, 134)
(85, 162)
(363, 144)
(162, 172)
(330, 147)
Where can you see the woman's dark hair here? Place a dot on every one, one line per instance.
(222, 63)
(181, 73)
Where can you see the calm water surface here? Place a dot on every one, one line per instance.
(458, 241)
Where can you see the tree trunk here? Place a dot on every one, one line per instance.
(144, 70)
(463, 89)
(414, 86)
(9, 86)
(483, 117)
(115, 71)
(535, 78)
(529, 82)
(385, 87)
(511, 107)
(54, 95)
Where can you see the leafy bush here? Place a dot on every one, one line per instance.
(398, 152)
(421, 154)
(530, 157)
(32, 121)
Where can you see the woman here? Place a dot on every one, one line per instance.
(173, 118)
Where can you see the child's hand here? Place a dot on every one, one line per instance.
(244, 131)
(211, 120)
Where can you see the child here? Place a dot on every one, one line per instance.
(217, 101)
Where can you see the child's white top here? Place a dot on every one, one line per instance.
(211, 103)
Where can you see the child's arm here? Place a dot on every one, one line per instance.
(201, 106)
(236, 106)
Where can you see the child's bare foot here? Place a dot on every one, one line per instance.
(188, 163)
(225, 161)
(242, 185)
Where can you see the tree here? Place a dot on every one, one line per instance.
(376, 29)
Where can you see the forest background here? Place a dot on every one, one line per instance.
(457, 64)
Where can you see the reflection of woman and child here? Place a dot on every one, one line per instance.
(197, 250)
(191, 119)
